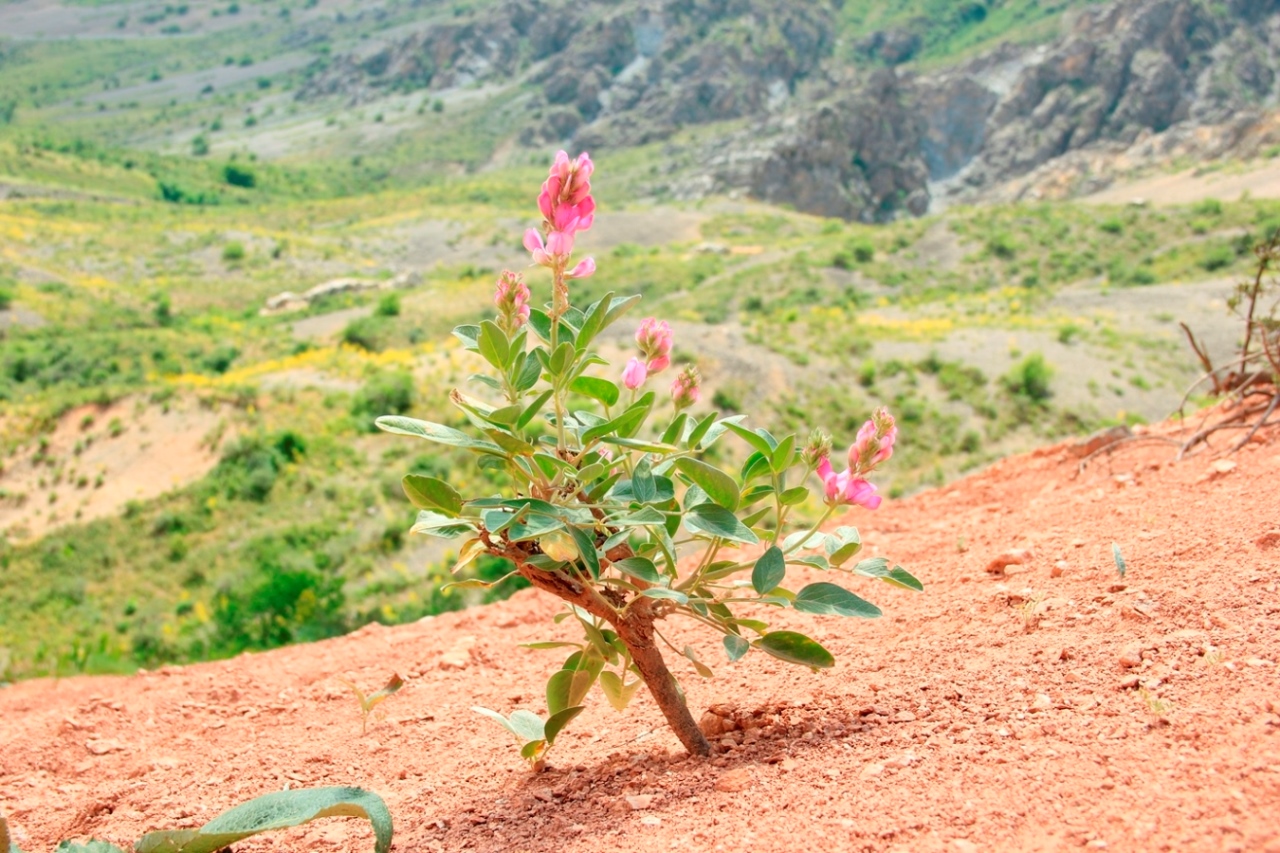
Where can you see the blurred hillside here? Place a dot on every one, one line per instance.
(231, 234)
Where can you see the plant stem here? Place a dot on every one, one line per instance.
(636, 630)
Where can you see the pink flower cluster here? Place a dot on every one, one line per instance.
(512, 299)
(567, 208)
(873, 445)
(685, 387)
(654, 339)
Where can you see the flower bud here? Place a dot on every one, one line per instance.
(684, 388)
(817, 449)
(512, 300)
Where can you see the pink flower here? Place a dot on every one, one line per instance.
(634, 374)
(567, 208)
(659, 364)
(874, 443)
(654, 339)
(585, 268)
(685, 387)
(845, 488)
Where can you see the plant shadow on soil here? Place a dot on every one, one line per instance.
(775, 735)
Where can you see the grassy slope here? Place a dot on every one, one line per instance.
(145, 301)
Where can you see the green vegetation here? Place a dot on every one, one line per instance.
(148, 260)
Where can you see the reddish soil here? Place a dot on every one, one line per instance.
(1053, 708)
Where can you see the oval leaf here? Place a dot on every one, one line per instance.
(640, 568)
(430, 493)
(718, 485)
(796, 648)
(434, 432)
(827, 599)
(769, 571)
(735, 647)
(558, 721)
(715, 520)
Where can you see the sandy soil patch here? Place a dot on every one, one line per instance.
(1058, 707)
(100, 458)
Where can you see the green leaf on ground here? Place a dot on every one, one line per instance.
(279, 810)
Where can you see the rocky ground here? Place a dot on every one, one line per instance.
(1054, 705)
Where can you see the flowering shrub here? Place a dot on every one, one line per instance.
(612, 507)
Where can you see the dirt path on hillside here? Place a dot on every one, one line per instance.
(1057, 708)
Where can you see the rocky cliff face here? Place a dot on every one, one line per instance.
(612, 73)
(857, 142)
(889, 145)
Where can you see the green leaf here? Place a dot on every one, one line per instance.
(827, 599)
(493, 345)
(561, 359)
(735, 647)
(558, 721)
(619, 306)
(511, 444)
(1119, 559)
(527, 725)
(780, 459)
(872, 567)
(624, 424)
(717, 484)
(817, 561)
(715, 520)
(899, 576)
(593, 321)
(792, 497)
(530, 370)
(531, 750)
(533, 527)
(597, 389)
(506, 416)
(675, 429)
(843, 544)
(586, 543)
(757, 441)
(567, 687)
(756, 465)
(802, 539)
(435, 524)
(469, 335)
(640, 568)
(769, 571)
(430, 493)
(434, 432)
(541, 325)
(618, 694)
(702, 668)
(279, 810)
(717, 429)
(497, 718)
(646, 517)
(796, 648)
(666, 595)
(643, 485)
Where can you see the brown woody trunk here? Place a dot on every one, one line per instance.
(637, 632)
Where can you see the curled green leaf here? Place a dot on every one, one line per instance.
(279, 810)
